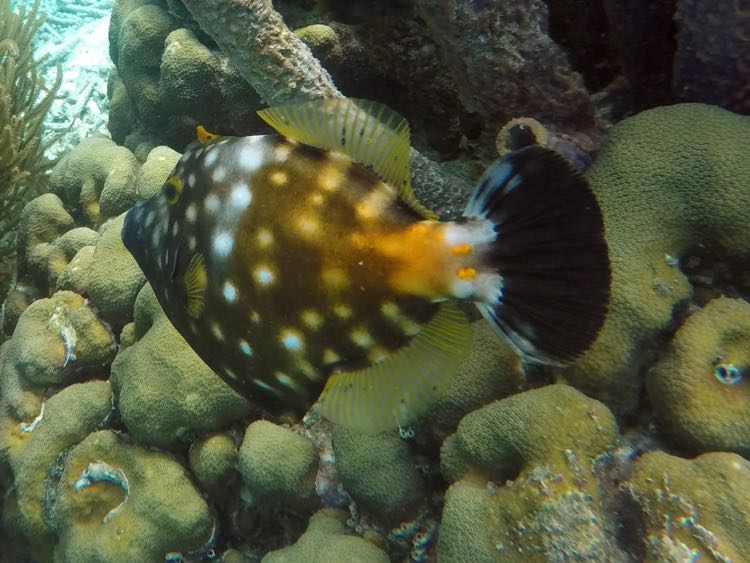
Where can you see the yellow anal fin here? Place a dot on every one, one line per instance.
(398, 390)
(367, 132)
(195, 285)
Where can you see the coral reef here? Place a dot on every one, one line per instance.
(278, 466)
(328, 541)
(700, 387)
(693, 509)
(379, 473)
(522, 480)
(118, 444)
(164, 391)
(115, 501)
(667, 180)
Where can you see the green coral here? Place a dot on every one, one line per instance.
(146, 508)
(213, 461)
(327, 540)
(379, 473)
(97, 180)
(696, 406)
(68, 417)
(667, 179)
(24, 103)
(278, 466)
(491, 371)
(695, 509)
(523, 485)
(114, 277)
(164, 390)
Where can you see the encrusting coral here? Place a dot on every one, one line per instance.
(118, 502)
(327, 540)
(700, 387)
(692, 510)
(523, 487)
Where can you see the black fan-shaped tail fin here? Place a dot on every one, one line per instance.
(550, 253)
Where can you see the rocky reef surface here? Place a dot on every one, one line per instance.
(117, 443)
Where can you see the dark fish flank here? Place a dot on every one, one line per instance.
(294, 290)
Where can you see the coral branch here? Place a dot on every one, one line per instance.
(267, 54)
(281, 68)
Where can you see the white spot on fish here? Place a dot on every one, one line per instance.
(342, 311)
(330, 178)
(361, 337)
(212, 203)
(211, 156)
(217, 332)
(240, 197)
(308, 226)
(312, 319)
(149, 219)
(282, 151)
(230, 373)
(156, 235)
(230, 292)
(278, 178)
(219, 174)
(175, 229)
(330, 357)
(390, 310)
(263, 275)
(223, 244)
(285, 380)
(263, 385)
(192, 243)
(191, 180)
(265, 237)
(292, 340)
(252, 154)
(191, 213)
(245, 348)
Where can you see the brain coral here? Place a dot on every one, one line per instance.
(700, 388)
(667, 179)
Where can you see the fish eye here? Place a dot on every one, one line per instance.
(172, 190)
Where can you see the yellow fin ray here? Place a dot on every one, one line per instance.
(195, 285)
(369, 133)
(402, 387)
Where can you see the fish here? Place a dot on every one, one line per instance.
(300, 265)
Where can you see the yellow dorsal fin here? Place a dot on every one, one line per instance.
(195, 285)
(398, 390)
(205, 137)
(367, 132)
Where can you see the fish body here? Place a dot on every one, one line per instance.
(294, 269)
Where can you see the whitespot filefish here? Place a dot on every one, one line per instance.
(300, 265)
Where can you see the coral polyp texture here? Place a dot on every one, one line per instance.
(118, 443)
(668, 179)
(700, 387)
(522, 480)
(692, 510)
